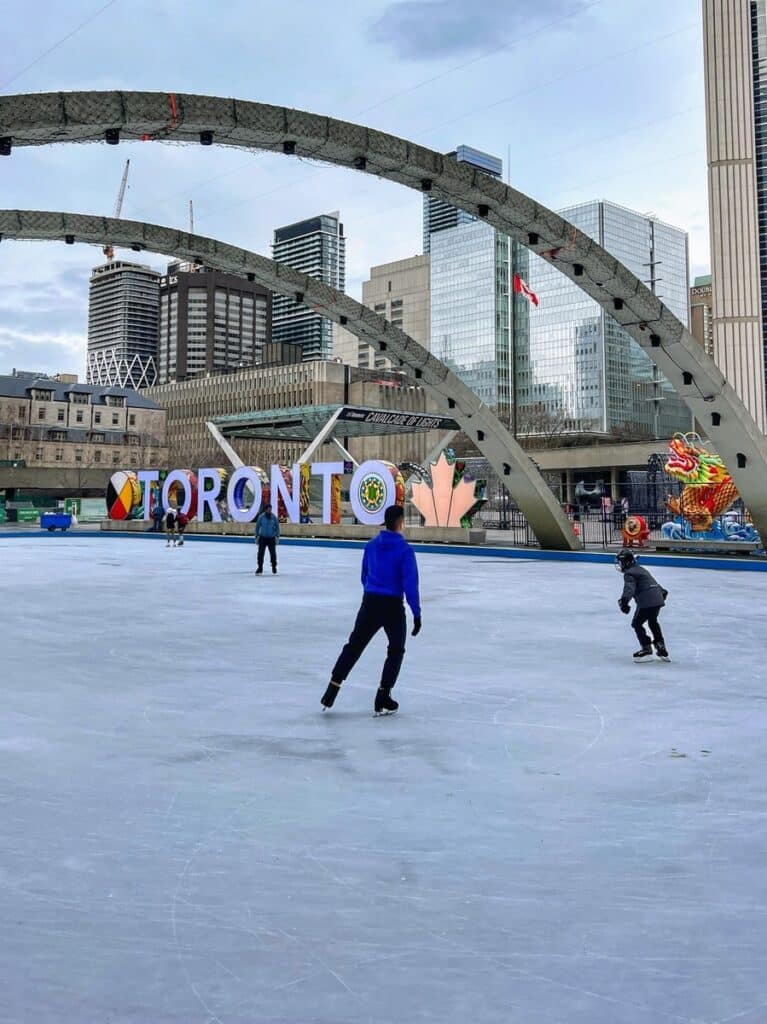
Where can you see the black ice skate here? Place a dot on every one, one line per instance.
(329, 696)
(259, 572)
(274, 570)
(661, 652)
(384, 705)
(642, 653)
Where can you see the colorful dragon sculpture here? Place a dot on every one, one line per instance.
(709, 490)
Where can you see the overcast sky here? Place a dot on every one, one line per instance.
(591, 98)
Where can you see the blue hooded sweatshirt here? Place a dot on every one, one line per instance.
(389, 567)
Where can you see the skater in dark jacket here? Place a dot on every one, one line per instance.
(267, 533)
(389, 573)
(649, 597)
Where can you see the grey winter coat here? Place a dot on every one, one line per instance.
(643, 587)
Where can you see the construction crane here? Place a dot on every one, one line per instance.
(191, 217)
(109, 251)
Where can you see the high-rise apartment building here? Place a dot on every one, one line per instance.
(399, 291)
(316, 247)
(702, 313)
(735, 45)
(574, 366)
(439, 215)
(210, 322)
(122, 325)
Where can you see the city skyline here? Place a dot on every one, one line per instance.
(644, 148)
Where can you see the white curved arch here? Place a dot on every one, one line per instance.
(510, 462)
(44, 118)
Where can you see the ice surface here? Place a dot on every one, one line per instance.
(545, 833)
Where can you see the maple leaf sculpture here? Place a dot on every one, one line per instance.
(442, 504)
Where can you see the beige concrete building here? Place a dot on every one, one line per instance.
(702, 313)
(46, 422)
(189, 404)
(733, 200)
(400, 291)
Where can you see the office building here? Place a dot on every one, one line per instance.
(316, 247)
(439, 215)
(210, 322)
(574, 366)
(122, 325)
(471, 310)
(46, 422)
(702, 313)
(292, 387)
(735, 54)
(399, 291)
(470, 321)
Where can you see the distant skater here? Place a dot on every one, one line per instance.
(649, 597)
(170, 527)
(389, 573)
(182, 521)
(158, 515)
(267, 533)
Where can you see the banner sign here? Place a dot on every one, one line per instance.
(415, 421)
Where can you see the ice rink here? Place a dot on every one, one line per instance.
(545, 834)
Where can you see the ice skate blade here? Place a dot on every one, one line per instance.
(667, 660)
(383, 714)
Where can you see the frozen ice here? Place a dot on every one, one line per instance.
(546, 832)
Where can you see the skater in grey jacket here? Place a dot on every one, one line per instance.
(649, 597)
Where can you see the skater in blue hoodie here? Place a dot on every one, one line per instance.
(389, 572)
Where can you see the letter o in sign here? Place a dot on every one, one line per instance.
(372, 491)
(235, 493)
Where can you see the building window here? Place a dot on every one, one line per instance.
(60, 415)
(132, 419)
(59, 455)
(79, 416)
(97, 417)
(23, 411)
(115, 458)
(115, 419)
(78, 455)
(41, 414)
(97, 455)
(39, 454)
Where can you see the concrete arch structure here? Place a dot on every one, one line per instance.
(45, 118)
(510, 462)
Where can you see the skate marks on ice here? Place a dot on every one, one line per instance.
(296, 868)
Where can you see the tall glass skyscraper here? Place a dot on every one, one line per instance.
(316, 247)
(573, 362)
(439, 215)
(470, 292)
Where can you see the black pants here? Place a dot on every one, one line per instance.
(263, 544)
(376, 612)
(649, 616)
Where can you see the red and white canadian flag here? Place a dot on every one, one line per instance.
(522, 288)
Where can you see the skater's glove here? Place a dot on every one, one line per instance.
(416, 626)
(624, 606)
